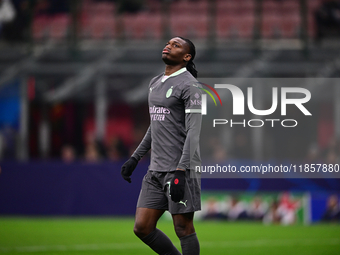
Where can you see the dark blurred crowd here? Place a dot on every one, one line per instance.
(242, 149)
(330, 154)
(95, 151)
(327, 18)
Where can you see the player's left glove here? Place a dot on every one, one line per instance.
(128, 168)
(177, 186)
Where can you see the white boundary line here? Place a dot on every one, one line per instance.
(137, 245)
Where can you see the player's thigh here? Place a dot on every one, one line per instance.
(152, 194)
(146, 219)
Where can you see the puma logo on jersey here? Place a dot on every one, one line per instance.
(183, 203)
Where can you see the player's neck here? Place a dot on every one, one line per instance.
(170, 69)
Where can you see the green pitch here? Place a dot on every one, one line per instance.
(115, 236)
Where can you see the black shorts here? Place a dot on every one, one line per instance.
(155, 192)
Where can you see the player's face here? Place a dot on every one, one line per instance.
(175, 52)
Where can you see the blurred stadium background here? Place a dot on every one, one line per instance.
(73, 106)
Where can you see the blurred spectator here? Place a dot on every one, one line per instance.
(313, 155)
(287, 208)
(51, 7)
(91, 153)
(328, 19)
(220, 153)
(211, 209)
(273, 215)
(242, 150)
(235, 209)
(138, 134)
(94, 148)
(257, 209)
(8, 143)
(101, 148)
(215, 150)
(68, 154)
(130, 6)
(117, 149)
(42, 7)
(331, 153)
(2, 145)
(332, 212)
(332, 158)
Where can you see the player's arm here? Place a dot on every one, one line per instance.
(144, 146)
(130, 165)
(192, 97)
(193, 128)
(193, 119)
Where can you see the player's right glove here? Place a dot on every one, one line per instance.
(177, 186)
(128, 168)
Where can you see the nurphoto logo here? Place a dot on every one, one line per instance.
(239, 105)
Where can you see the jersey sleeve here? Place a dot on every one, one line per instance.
(144, 146)
(192, 97)
(193, 118)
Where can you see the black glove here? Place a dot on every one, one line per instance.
(177, 186)
(128, 168)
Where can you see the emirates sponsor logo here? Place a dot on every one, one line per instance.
(162, 110)
(158, 113)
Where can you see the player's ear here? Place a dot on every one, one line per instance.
(187, 57)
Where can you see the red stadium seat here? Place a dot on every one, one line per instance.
(102, 27)
(189, 7)
(103, 8)
(291, 5)
(246, 27)
(40, 27)
(233, 26)
(223, 26)
(193, 26)
(311, 25)
(247, 4)
(142, 26)
(154, 6)
(271, 6)
(130, 25)
(271, 24)
(291, 25)
(155, 25)
(227, 6)
(59, 26)
(84, 25)
(313, 5)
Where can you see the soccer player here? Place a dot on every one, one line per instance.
(173, 137)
